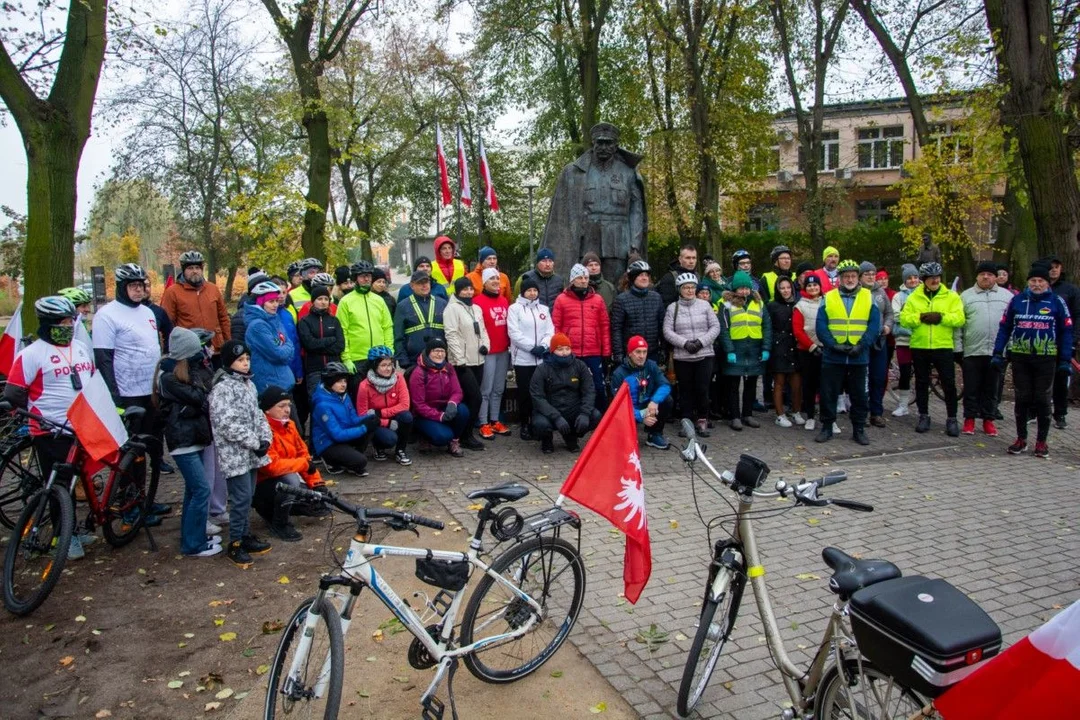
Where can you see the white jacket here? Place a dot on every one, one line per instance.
(465, 332)
(530, 325)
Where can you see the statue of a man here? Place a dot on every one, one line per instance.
(599, 206)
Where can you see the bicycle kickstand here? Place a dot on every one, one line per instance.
(433, 707)
(150, 538)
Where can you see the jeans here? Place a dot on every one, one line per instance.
(523, 375)
(385, 438)
(273, 506)
(834, 377)
(441, 433)
(980, 388)
(1033, 378)
(878, 372)
(810, 365)
(241, 490)
(492, 386)
(942, 361)
(693, 378)
(596, 367)
(196, 501)
(749, 394)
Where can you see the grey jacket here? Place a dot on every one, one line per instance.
(884, 306)
(983, 310)
(239, 426)
(694, 319)
(902, 334)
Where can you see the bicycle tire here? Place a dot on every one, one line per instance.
(833, 702)
(730, 599)
(26, 538)
(289, 705)
(519, 560)
(20, 477)
(125, 516)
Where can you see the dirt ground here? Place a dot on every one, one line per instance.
(124, 625)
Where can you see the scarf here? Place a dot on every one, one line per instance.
(382, 385)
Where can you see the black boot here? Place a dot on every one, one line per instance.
(825, 434)
(526, 432)
(952, 427)
(286, 532)
(858, 434)
(571, 441)
(254, 545)
(923, 425)
(546, 445)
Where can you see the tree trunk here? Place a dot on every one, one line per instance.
(1017, 236)
(230, 281)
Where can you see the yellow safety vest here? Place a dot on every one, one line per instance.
(847, 328)
(746, 321)
(420, 324)
(447, 282)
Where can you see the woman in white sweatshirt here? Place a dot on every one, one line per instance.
(531, 329)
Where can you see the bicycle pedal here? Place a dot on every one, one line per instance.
(433, 709)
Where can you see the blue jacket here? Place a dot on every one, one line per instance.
(873, 329)
(1036, 324)
(436, 289)
(334, 420)
(288, 326)
(647, 384)
(271, 351)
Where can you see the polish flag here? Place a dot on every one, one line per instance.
(95, 420)
(1037, 677)
(463, 172)
(11, 341)
(444, 176)
(489, 187)
(607, 480)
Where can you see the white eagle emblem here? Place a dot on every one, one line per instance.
(633, 493)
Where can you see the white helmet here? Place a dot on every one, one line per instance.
(686, 278)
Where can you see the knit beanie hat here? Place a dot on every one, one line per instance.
(461, 283)
(741, 279)
(434, 344)
(486, 252)
(545, 254)
(578, 271)
(710, 266)
(811, 279)
(559, 340)
(489, 274)
(377, 274)
(183, 343)
(829, 251)
(1039, 270)
(527, 283)
(318, 291)
(986, 266)
(589, 257)
(271, 396)
(804, 266)
(866, 266)
(341, 274)
(231, 350)
(908, 270)
(635, 343)
(422, 260)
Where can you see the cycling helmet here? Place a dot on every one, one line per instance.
(334, 371)
(636, 268)
(846, 265)
(324, 279)
(293, 269)
(265, 288)
(739, 255)
(363, 267)
(77, 296)
(778, 251)
(930, 269)
(54, 307)
(310, 264)
(130, 273)
(686, 278)
(191, 257)
(205, 336)
(379, 352)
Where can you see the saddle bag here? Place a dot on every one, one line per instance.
(450, 575)
(923, 632)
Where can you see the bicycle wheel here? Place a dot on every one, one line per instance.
(550, 571)
(20, 476)
(129, 499)
(295, 697)
(872, 696)
(38, 549)
(713, 631)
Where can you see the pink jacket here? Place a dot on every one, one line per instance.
(431, 388)
(386, 406)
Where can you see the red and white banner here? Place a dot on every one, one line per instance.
(490, 197)
(95, 420)
(11, 341)
(1037, 677)
(444, 176)
(463, 172)
(607, 480)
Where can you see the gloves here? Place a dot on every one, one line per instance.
(562, 426)
(853, 350)
(816, 351)
(764, 356)
(264, 447)
(538, 351)
(393, 425)
(450, 412)
(731, 358)
(997, 362)
(930, 318)
(581, 424)
(350, 365)
(483, 349)
(311, 467)
(1065, 367)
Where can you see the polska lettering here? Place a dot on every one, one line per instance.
(78, 367)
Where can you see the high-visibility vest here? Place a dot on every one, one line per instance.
(847, 328)
(770, 278)
(447, 282)
(420, 323)
(746, 321)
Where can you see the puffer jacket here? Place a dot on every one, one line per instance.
(983, 310)
(783, 355)
(288, 454)
(271, 351)
(803, 322)
(932, 337)
(637, 312)
(365, 322)
(530, 324)
(549, 287)
(198, 306)
(237, 324)
(465, 333)
(901, 333)
(563, 388)
(239, 425)
(666, 287)
(321, 338)
(747, 350)
(645, 384)
(334, 420)
(430, 388)
(386, 405)
(585, 321)
(186, 408)
(288, 326)
(687, 320)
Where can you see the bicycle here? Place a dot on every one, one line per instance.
(894, 642)
(20, 473)
(522, 598)
(38, 546)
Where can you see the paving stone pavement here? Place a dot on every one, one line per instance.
(1003, 529)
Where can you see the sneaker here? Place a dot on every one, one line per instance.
(219, 519)
(160, 509)
(253, 545)
(1017, 447)
(750, 422)
(735, 424)
(1041, 450)
(86, 538)
(811, 423)
(75, 549)
(547, 445)
(923, 425)
(212, 529)
(332, 469)
(969, 426)
(1060, 424)
(701, 428)
(487, 432)
(952, 428)
(213, 539)
(166, 468)
(471, 443)
(658, 441)
(380, 455)
(877, 421)
(402, 458)
(824, 435)
(286, 533)
(782, 421)
(501, 429)
(210, 550)
(836, 429)
(455, 448)
(990, 428)
(798, 419)
(239, 555)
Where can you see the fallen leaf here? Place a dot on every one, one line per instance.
(141, 571)
(813, 521)
(219, 621)
(67, 660)
(248, 652)
(377, 636)
(400, 679)
(224, 694)
(189, 635)
(103, 713)
(674, 524)
(363, 693)
(283, 580)
(183, 673)
(227, 637)
(175, 684)
(211, 706)
(371, 658)
(181, 645)
(476, 506)
(272, 626)
(240, 696)
(557, 674)
(807, 576)
(262, 669)
(80, 618)
(598, 708)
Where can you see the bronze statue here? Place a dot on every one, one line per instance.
(599, 206)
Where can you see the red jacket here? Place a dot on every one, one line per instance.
(288, 454)
(585, 321)
(431, 388)
(386, 405)
(495, 311)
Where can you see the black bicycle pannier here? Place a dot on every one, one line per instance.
(447, 574)
(925, 633)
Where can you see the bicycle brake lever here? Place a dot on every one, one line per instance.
(399, 525)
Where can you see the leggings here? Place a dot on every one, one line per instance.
(794, 380)
(693, 377)
(493, 385)
(749, 394)
(1033, 379)
(903, 360)
(470, 377)
(811, 381)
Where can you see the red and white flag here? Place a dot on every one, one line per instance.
(607, 480)
(490, 198)
(463, 172)
(444, 176)
(95, 420)
(11, 341)
(1037, 677)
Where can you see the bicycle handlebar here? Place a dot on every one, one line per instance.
(360, 512)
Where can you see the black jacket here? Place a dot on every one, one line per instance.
(237, 323)
(390, 301)
(566, 391)
(633, 314)
(666, 286)
(186, 408)
(548, 287)
(783, 355)
(1069, 293)
(322, 339)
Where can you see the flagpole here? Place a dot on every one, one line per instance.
(457, 205)
(480, 209)
(438, 185)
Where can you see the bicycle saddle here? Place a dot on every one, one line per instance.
(508, 492)
(850, 574)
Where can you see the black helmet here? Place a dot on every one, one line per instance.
(778, 251)
(930, 269)
(361, 267)
(636, 268)
(739, 255)
(310, 264)
(54, 308)
(130, 272)
(293, 269)
(191, 257)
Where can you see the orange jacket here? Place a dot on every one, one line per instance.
(288, 454)
(198, 307)
(478, 284)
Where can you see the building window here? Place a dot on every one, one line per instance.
(952, 142)
(881, 147)
(828, 152)
(876, 210)
(762, 216)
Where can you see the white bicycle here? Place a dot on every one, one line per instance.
(524, 606)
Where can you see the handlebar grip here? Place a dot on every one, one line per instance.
(304, 493)
(837, 476)
(420, 520)
(852, 505)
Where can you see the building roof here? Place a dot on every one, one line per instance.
(885, 105)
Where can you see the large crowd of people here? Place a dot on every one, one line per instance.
(316, 373)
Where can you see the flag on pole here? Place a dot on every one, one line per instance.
(1035, 678)
(11, 341)
(463, 172)
(444, 176)
(95, 420)
(607, 480)
(489, 187)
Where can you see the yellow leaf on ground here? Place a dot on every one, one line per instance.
(227, 637)
(219, 621)
(262, 669)
(211, 706)
(67, 660)
(224, 694)
(476, 506)
(807, 576)
(283, 580)
(175, 684)
(103, 713)
(598, 708)
(674, 524)
(80, 618)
